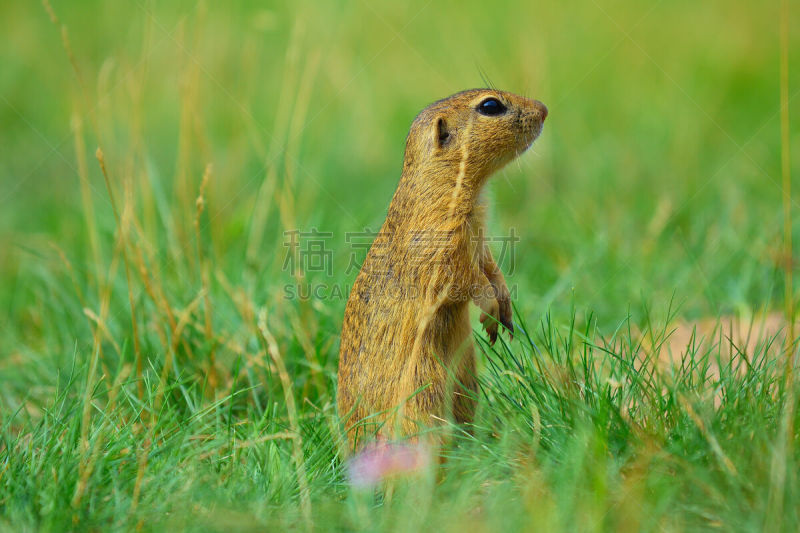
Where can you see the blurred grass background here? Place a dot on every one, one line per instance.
(663, 148)
(657, 179)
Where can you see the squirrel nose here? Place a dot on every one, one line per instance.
(542, 109)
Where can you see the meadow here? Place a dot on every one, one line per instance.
(187, 188)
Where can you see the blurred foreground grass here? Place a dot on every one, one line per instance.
(142, 376)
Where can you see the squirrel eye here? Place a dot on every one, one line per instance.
(491, 107)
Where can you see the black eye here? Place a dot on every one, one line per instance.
(491, 107)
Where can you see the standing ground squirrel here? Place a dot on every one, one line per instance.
(406, 359)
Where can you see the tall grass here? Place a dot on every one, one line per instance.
(154, 375)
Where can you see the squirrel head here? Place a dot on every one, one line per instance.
(475, 132)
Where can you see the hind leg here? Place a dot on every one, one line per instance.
(465, 388)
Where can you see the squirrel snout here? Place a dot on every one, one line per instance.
(541, 108)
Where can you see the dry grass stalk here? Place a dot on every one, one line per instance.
(86, 193)
(122, 227)
(291, 408)
(204, 275)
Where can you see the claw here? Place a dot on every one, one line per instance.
(506, 317)
(509, 325)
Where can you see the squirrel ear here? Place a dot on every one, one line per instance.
(442, 132)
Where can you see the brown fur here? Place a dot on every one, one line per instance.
(406, 325)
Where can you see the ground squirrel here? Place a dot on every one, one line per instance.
(406, 359)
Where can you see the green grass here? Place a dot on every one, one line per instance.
(147, 354)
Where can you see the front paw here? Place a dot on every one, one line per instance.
(505, 313)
